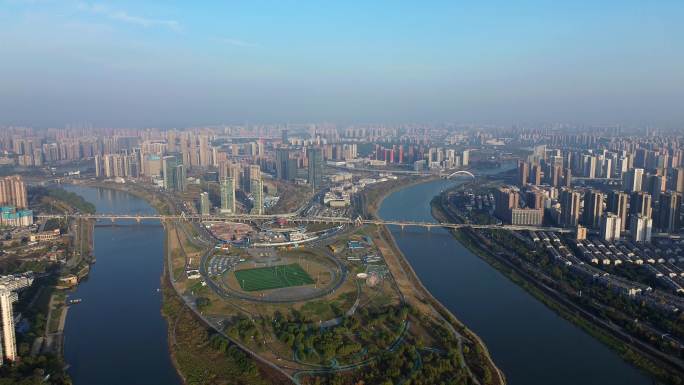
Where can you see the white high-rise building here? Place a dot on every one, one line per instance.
(633, 179)
(8, 285)
(610, 227)
(9, 345)
(640, 228)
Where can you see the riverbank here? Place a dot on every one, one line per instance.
(79, 259)
(491, 373)
(557, 302)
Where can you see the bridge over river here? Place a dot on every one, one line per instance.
(293, 218)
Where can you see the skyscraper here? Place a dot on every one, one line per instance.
(315, 156)
(610, 227)
(678, 180)
(535, 174)
(204, 151)
(465, 159)
(570, 207)
(655, 184)
(567, 178)
(9, 345)
(523, 173)
(633, 179)
(228, 195)
(13, 192)
(180, 178)
(640, 204)
(282, 163)
(669, 212)
(8, 287)
(593, 209)
(506, 199)
(257, 189)
(640, 228)
(98, 166)
(169, 164)
(254, 173)
(617, 204)
(556, 175)
(205, 203)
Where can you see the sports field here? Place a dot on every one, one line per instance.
(274, 277)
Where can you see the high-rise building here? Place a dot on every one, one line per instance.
(153, 166)
(570, 207)
(610, 227)
(180, 178)
(204, 151)
(285, 168)
(535, 199)
(669, 209)
(13, 192)
(617, 204)
(171, 141)
(589, 163)
(254, 173)
(228, 195)
(535, 174)
(633, 180)
(9, 345)
(678, 180)
(655, 184)
(640, 228)
(257, 189)
(315, 156)
(8, 287)
(567, 178)
(169, 164)
(506, 199)
(98, 166)
(523, 173)
(640, 204)
(205, 203)
(593, 209)
(556, 175)
(465, 158)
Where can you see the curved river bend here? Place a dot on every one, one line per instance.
(117, 334)
(529, 342)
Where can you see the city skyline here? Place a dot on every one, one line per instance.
(166, 64)
(285, 192)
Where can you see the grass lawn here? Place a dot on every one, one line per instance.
(273, 277)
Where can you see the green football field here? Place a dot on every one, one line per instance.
(274, 277)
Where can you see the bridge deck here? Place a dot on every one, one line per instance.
(296, 219)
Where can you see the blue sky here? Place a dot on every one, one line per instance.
(172, 64)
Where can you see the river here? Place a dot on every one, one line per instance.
(528, 341)
(117, 334)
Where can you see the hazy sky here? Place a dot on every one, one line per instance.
(172, 64)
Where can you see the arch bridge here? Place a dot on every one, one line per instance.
(460, 172)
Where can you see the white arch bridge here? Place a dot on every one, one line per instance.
(460, 172)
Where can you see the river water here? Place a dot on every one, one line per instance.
(528, 341)
(117, 334)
